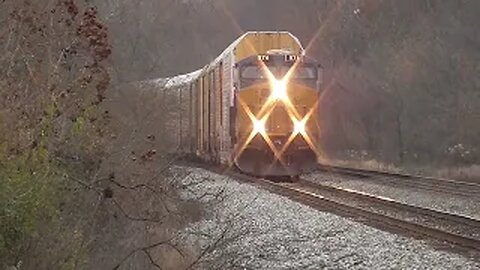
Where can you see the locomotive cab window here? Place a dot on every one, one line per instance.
(253, 72)
(306, 73)
(301, 72)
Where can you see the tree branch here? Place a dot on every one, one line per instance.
(146, 250)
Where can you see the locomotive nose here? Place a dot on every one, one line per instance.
(279, 122)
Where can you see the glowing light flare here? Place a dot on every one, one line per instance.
(299, 126)
(279, 94)
(246, 141)
(248, 138)
(312, 144)
(272, 147)
(279, 89)
(277, 155)
(291, 70)
(259, 126)
(329, 19)
(268, 104)
(287, 143)
(308, 138)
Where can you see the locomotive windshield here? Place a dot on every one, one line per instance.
(253, 72)
(256, 72)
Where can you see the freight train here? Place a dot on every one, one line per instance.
(254, 107)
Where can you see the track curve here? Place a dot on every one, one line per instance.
(448, 186)
(458, 233)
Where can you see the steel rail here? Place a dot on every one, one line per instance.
(309, 194)
(455, 187)
(382, 221)
(459, 224)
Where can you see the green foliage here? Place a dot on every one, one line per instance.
(51, 123)
(78, 126)
(32, 189)
(27, 196)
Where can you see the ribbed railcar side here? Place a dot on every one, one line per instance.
(226, 66)
(210, 105)
(183, 103)
(191, 120)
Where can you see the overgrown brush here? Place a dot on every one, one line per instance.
(53, 81)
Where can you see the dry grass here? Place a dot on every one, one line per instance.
(368, 165)
(470, 173)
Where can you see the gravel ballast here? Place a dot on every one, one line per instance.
(428, 199)
(244, 227)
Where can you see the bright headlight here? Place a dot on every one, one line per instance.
(279, 89)
(299, 127)
(258, 126)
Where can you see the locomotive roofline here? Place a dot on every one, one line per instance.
(188, 78)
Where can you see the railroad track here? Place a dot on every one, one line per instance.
(446, 230)
(457, 233)
(446, 186)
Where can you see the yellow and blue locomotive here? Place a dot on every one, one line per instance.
(275, 107)
(254, 106)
